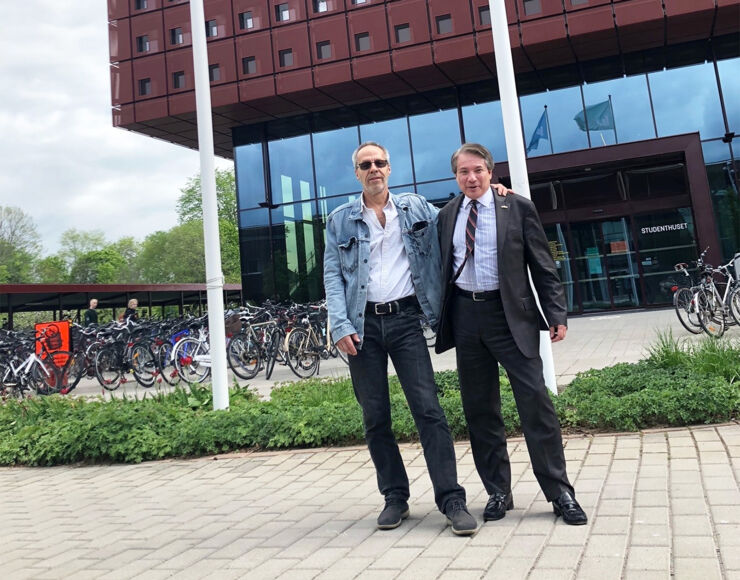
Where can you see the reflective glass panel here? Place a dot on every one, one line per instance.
(328, 205)
(556, 237)
(590, 266)
(439, 191)
(394, 136)
(729, 76)
(253, 217)
(618, 111)
(725, 198)
(621, 262)
(254, 250)
(686, 100)
(298, 267)
(664, 239)
(483, 124)
(591, 190)
(652, 182)
(291, 171)
(553, 130)
(333, 155)
(250, 175)
(435, 137)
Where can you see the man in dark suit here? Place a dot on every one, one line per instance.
(490, 315)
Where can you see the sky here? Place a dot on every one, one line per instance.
(61, 160)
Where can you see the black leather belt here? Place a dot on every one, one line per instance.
(392, 307)
(481, 296)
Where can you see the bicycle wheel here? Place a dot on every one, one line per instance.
(108, 368)
(51, 376)
(74, 370)
(273, 348)
(192, 360)
(685, 304)
(243, 356)
(143, 364)
(734, 301)
(711, 314)
(303, 353)
(166, 364)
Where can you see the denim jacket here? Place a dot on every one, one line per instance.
(347, 255)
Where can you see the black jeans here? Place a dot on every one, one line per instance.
(483, 340)
(400, 336)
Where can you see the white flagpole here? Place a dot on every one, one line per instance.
(214, 275)
(515, 144)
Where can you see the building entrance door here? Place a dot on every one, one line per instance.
(606, 265)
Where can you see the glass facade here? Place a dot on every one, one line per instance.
(287, 187)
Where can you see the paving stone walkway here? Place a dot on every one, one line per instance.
(662, 505)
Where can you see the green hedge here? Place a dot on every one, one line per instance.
(677, 384)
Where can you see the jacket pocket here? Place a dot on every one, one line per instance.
(349, 254)
(421, 235)
(529, 303)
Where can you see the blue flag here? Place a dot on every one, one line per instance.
(540, 132)
(600, 117)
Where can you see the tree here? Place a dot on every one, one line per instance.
(51, 270)
(128, 248)
(75, 243)
(190, 202)
(97, 267)
(174, 256)
(20, 244)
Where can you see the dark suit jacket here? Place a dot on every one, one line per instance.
(521, 242)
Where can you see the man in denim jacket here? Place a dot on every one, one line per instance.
(381, 272)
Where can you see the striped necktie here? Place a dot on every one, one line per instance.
(470, 229)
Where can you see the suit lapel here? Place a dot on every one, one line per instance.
(502, 222)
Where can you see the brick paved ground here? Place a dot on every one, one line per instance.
(662, 504)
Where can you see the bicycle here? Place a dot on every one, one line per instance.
(117, 357)
(718, 311)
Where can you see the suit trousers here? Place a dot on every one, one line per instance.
(483, 340)
(400, 337)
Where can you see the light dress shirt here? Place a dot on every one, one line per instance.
(390, 272)
(481, 270)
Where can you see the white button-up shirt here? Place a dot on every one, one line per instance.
(390, 272)
(481, 270)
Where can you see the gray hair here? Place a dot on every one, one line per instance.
(369, 144)
(473, 149)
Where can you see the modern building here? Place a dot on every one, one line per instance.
(630, 112)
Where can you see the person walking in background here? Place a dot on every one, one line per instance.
(381, 269)
(490, 315)
(130, 312)
(91, 314)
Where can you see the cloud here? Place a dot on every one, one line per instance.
(61, 160)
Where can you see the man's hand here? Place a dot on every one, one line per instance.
(558, 333)
(347, 344)
(501, 189)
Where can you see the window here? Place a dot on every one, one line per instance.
(140, 4)
(323, 50)
(178, 80)
(175, 35)
(362, 41)
(145, 87)
(320, 5)
(286, 57)
(532, 7)
(245, 20)
(282, 12)
(214, 73)
(403, 33)
(211, 29)
(484, 15)
(359, 1)
(444, 24)
(142, 43)
(578, 2)
(249, 65)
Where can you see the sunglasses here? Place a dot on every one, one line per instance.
(379, 163)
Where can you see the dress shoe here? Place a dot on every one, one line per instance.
(392, 515)
(458, 516)
(497, 506)
(567, 506)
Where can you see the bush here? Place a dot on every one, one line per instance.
(678, 384)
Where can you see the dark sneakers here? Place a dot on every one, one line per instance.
(393, 513)
(497, 506)
(567, 506)
(458, 516)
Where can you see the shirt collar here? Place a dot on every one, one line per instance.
(486, 199)
(388, 205)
